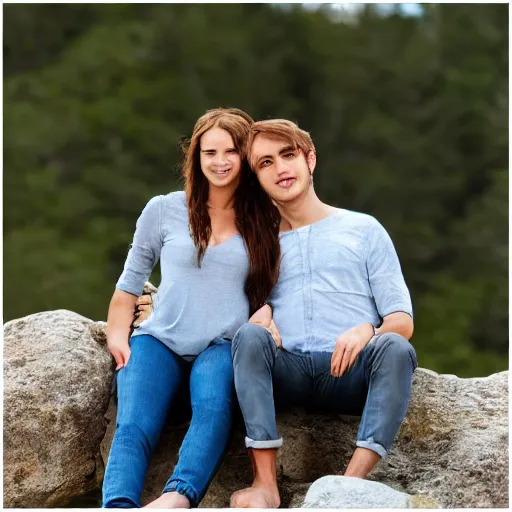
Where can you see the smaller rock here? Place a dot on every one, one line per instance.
(349, 492)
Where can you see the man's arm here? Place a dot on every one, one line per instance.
(400, 323)
(143, 309)
(352, 342)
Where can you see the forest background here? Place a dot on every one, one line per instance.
(409, 115)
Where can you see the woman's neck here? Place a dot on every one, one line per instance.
(221, 198)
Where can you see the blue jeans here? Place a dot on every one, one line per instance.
(146, 387)
(377, 387)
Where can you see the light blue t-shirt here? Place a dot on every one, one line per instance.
(195, 305)
(336, 273)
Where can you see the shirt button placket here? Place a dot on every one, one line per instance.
(307, 285)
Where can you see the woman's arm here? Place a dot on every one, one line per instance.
(261, 317)
(119, 321)
(142, 257)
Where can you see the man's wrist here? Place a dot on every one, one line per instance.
(372, 331)
(376, 330)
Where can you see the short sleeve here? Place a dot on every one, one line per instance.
(145, 250)
(387, 282)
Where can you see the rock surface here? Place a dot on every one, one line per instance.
(56, 386)
(345, 492)
(452, 448)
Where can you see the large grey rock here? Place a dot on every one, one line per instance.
(346, 492)
(57, 378)
(452, 448)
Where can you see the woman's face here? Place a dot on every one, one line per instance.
(221, 163)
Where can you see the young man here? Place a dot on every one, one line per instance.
(340, 279)
(343, 312)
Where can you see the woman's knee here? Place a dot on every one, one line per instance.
(138, 433)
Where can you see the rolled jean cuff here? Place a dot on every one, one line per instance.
(120, 502)
(184, 489)
(373, 446)
(262, 445)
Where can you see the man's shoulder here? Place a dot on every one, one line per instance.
(360, 220)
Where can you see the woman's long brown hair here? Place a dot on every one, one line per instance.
(257, 219)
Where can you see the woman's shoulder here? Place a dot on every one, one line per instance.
(161, 205)
(174, 207)
(176, 199)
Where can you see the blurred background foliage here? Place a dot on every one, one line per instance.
(409, 115)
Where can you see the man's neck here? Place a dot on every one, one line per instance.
(304, 211)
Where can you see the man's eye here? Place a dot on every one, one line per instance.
(265, 163)
(289, 155)
(232, 151)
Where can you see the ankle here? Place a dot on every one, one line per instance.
(264, 467)
(176, 499)
(268, 482)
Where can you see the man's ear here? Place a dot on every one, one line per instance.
(311, 161)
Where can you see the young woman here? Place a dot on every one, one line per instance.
(219, 252)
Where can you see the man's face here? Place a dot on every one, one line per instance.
(282, 170)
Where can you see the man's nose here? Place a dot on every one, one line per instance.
(281, 166)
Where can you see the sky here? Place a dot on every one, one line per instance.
(352, 8)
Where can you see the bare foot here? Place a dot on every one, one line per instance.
(257, 496)
(171, 499)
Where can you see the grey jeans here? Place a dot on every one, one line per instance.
(377, 388)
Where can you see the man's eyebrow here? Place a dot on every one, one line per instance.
(286, 149)
(281, 151)
(206, 150)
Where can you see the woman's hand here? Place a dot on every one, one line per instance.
(119, 320)
(143, 309)
(120, 350)
(264, 318)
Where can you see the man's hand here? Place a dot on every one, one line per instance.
(348, 346)
(120, 351)
(143, 309)
(264, 318)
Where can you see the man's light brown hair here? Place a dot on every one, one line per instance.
(280, 129)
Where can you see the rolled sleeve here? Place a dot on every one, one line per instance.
(145, 250)
(387, 282)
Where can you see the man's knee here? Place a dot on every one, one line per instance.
(252, 338)
(398, 347)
